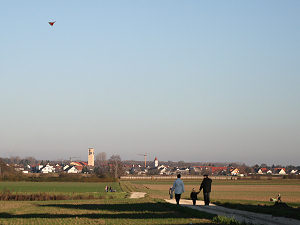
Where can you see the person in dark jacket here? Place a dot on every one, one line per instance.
(206, 186)
(194, 196)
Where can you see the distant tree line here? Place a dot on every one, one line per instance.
(17, 160)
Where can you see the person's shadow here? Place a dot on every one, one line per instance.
(119, 211)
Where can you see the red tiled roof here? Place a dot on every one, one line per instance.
(84, 163)
(79, 167)
(264, 170)
(219, 168)
(279, 168)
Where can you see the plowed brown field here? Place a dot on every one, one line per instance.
(289, 193)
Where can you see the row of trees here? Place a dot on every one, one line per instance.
(20, 161)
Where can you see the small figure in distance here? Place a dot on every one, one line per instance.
(106, 188)
(178, 188)
(110, 189)
(206, 186)
(278, 197)
(194, 196)
(171, 192)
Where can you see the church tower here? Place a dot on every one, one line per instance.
(91, 157)
(155, 162)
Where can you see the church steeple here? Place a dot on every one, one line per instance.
(155, 162)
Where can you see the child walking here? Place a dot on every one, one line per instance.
(171, 193)
(194, 196)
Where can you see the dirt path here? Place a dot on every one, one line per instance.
(137, 195)
(239, 215)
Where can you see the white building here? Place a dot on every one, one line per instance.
(155, 162)
(65, 167)
(47, 169)
(294, 171)
(235, 172)
(260, 171)
(162, 169)
(282, 172)
(39, 167)
(72, 169)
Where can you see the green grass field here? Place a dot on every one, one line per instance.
(117, 210)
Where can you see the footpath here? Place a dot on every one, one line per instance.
(137, 195)
(239, 215)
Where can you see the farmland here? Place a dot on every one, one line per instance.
(250, 195)
(118, 208)
(232, 190)
(115, 208)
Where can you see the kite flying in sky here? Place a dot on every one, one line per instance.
(51, 23)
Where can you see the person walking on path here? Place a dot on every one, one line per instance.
(178, 188)
(194, 196)
(206, 186)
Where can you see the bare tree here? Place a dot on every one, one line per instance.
(181, 163)
(244, 169)
(15, 159)
(116, 166)
(101, 166)
(101, 158)
(28, 161)
(31, 160)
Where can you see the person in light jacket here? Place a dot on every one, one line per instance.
(178, 188)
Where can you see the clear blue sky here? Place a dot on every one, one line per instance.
(181, 80)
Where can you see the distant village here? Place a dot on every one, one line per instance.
(95, 165)
(233, 169)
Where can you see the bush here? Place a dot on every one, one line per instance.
(228, 221)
